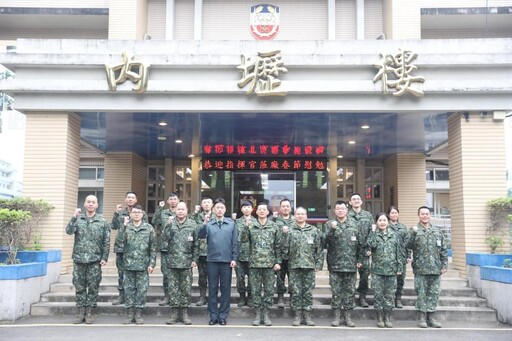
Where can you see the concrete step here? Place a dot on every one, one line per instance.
(467, 314)
(318, 299)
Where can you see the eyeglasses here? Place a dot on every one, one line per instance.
(137, 212)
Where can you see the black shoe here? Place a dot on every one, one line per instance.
(213, 322)
(222, 322)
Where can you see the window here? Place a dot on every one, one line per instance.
(155, 190)
(373, 193)
(345, 182)
(91, 173)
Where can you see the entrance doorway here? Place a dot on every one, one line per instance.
(258, 187)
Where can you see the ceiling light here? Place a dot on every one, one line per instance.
(162, 137)
(162, 123)
(351, 142)
(191, 155)
(365, 126)
(178, 140)
(340, 156)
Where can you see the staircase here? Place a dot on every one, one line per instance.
(457, 302)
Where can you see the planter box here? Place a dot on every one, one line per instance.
(492, 281)
(497, 289)
(476, 260)
(21, 285)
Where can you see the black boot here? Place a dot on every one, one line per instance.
(120, 299)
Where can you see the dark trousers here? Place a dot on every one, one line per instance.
(219, 274)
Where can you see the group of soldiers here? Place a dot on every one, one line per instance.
(271, 247)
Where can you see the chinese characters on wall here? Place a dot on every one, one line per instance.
(395, 71)
(261, 74)
(137, 72)
(275, 164)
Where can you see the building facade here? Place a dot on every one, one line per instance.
(371, 96)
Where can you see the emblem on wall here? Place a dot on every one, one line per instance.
(264, 21)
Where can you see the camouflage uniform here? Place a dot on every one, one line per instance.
(265, 252)
(139, 253)
(344, 250)
(363, 221)
(387, 260)
(403, 234)
(304, 249)
(202, 280)
(92, 242)
(160, 219)
(118, 224)
(430, 257)
(183, 250)
(281, 274)
(242, 266)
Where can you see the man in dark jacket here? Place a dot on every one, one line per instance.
(222, 237)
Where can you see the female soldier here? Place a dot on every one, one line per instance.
(403, 233)
(386, 264)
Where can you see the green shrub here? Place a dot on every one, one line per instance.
(19, 220)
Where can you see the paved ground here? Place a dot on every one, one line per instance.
(110, 328)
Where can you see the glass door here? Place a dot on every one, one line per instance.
(257, 187)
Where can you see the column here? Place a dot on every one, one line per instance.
(124, 171)
(402, 19)
(476, 152)
(127, 19)
(51, 164)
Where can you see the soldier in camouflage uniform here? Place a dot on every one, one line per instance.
(282, 220)
(181, 237)
(264, 238)
(242, 266)
(403, 234)
(202, 218)
(160, 219)
(90, 252)
(305, 252)
(363, 220)
(430, 261)
(342, 239)
(387, 263)
(118, 224)
(139, 261)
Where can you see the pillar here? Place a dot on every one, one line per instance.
(405, 185)
(127, 19)
(124, 171)
(51, 164)
(476, 152)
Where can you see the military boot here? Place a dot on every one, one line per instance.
(120, 299)
(307, 319)
(257, 318)
(431, 321)
(129, 316)
(380, 319)
(398, 302)
(80, 315)
(337, 318)
(243, 300)
(348, 318)
(264, 317)
(185, 317)
(138, 316)
(250, 303)
(173, 318)
(89, 315)
(297, 320)
(387, 319)
(164, 302)
(362, 300)
(423, 319)
(202, 297)
(280, 300)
